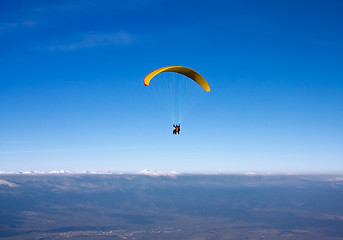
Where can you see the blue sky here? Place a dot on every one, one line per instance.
(72, 98)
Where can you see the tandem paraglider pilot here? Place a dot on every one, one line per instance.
(176, 129)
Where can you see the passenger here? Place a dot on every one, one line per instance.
(176, 129)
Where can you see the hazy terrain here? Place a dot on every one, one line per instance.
(114, 206)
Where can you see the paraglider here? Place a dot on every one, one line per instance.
(188, 72)
(180, 95)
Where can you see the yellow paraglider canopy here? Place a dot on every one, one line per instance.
(188, 72)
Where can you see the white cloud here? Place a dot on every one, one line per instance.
(12, 25)
(6, 183)
(159, 173)
(336, 179)
(260, 174)
(55, 172)
(94, 40)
